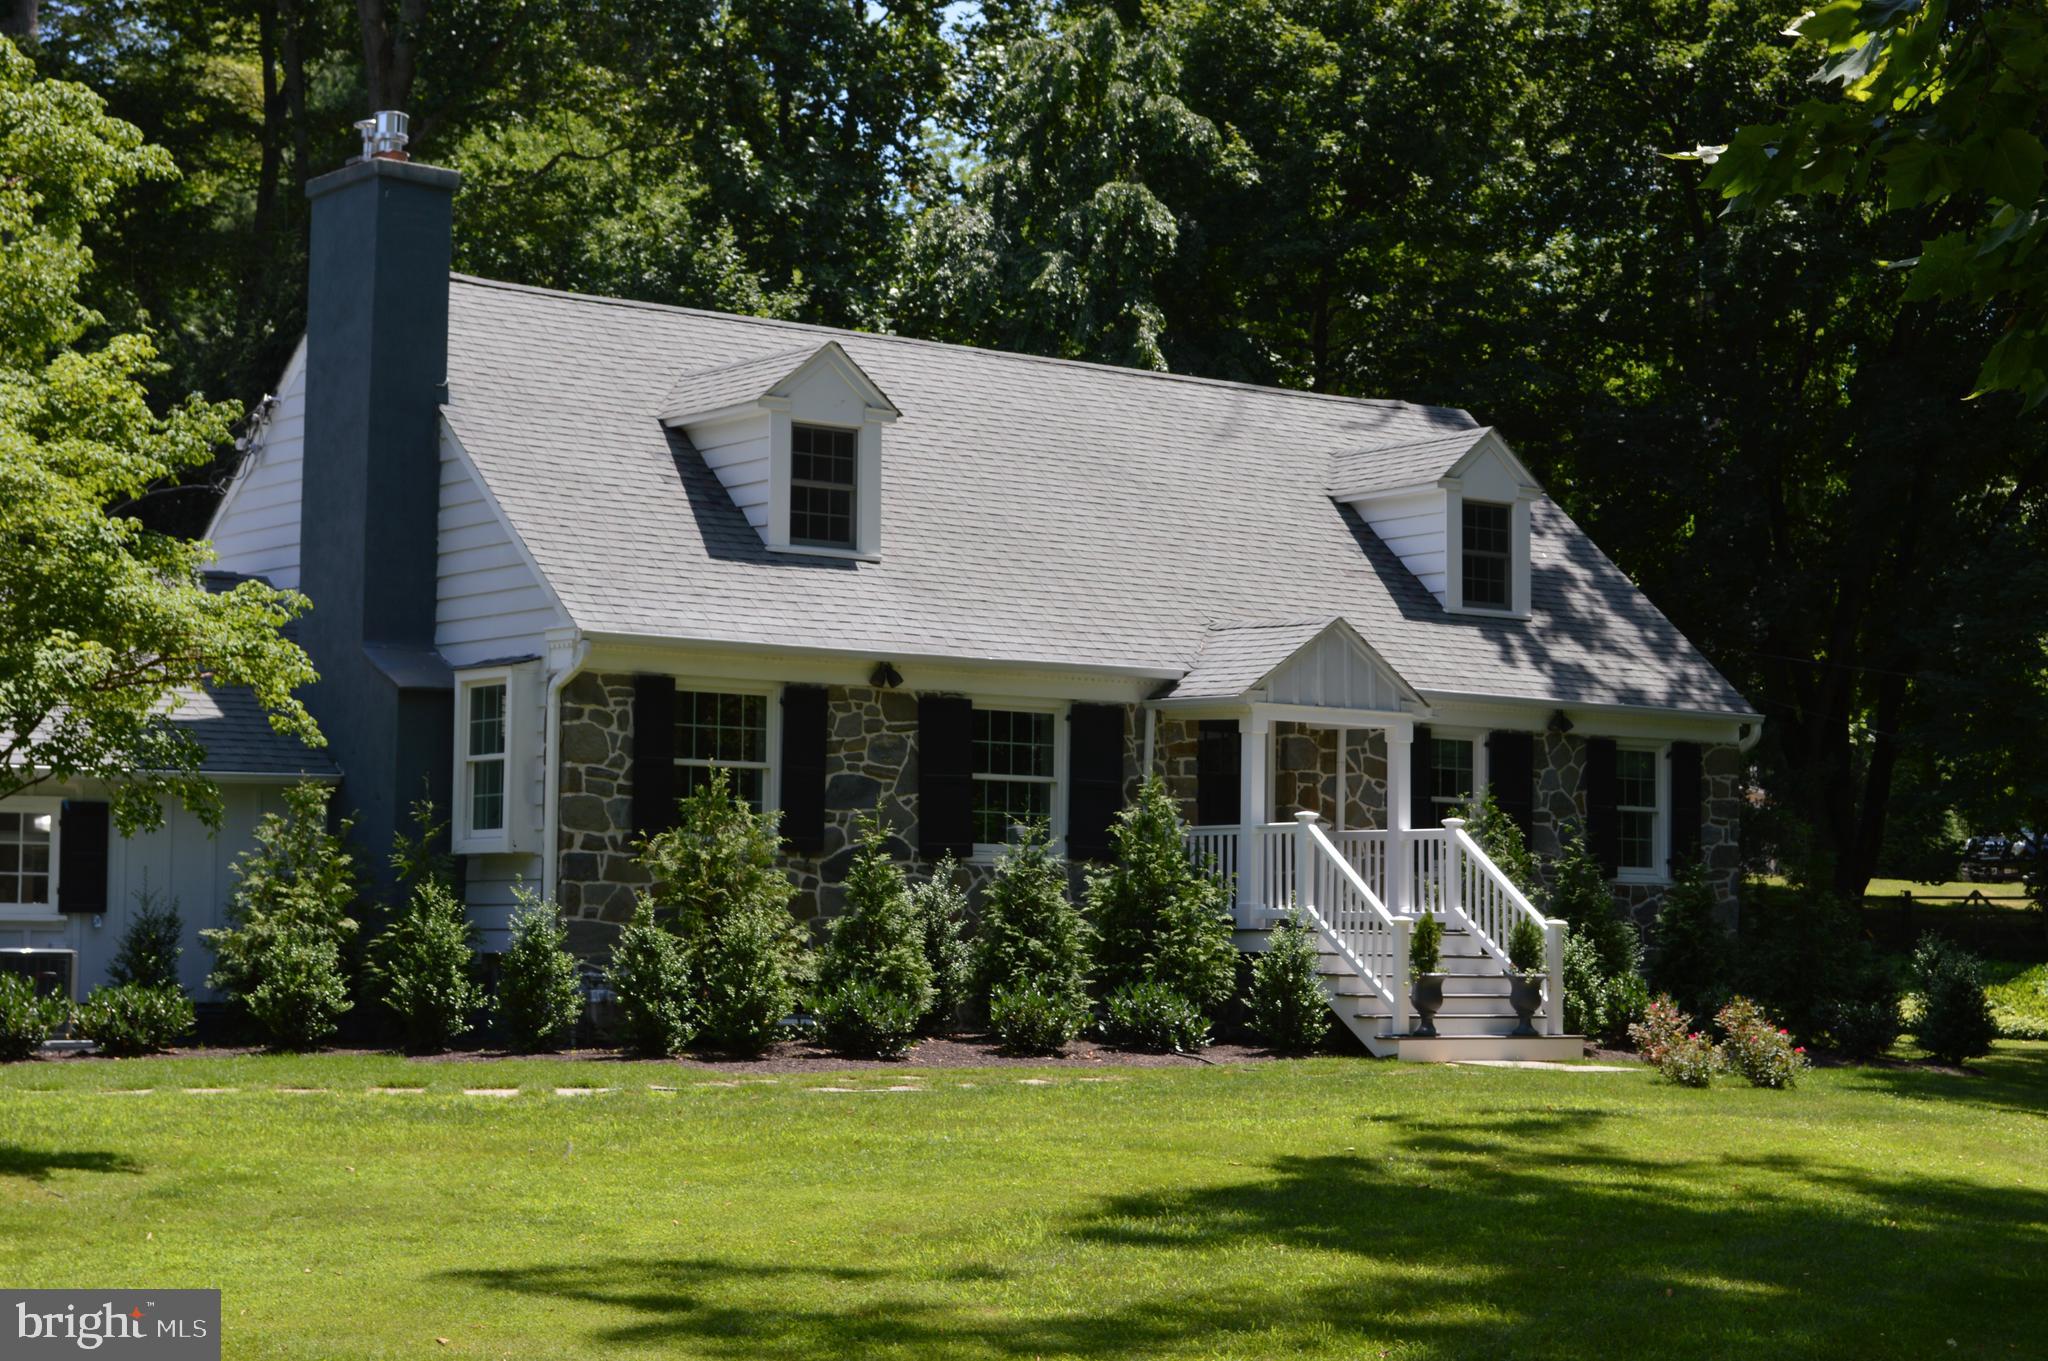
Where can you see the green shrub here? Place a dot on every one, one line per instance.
(1030, 1019)
(1864, 1021)
(149, 949)
(1157, 918)
(293, 891)
(1426, 944)
(1525, 946)
(1154, 1016)
(540, 995)
(1692, 1060)
(126, 1019)
(865, 1017)
(1030, 937)
(423, 969)
(303, 994)
(1585, 990)
(649, 976)
(1603, 953)
(941, 911)
(1500, 836)
(874, 952)
(1955, 1015)
(1665, 1038)
(27, 1017)
(1662, 1025)
(1289, 1010)
(1801, 953)
(1757, 1048)
(717, 882)
(2019, 1003)
(1692, 958)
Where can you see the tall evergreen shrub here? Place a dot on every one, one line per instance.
(151, 945)
(874, 981)
(1289, 1009)
(941, 911)
(1031, 949)
(540, 992)
(1156, 917)
(1691, 961)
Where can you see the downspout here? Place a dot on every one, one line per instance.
(551, 794)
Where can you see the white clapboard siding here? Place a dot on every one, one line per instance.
(256, 529)
(737, 451)
(489, 603)
(1415, 528)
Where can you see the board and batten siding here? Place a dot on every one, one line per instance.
(490, 603)
(1414, 527)
(1333, 671)
(256, 529)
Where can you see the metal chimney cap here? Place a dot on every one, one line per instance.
(384, 135)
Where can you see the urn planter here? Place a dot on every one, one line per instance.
(1425, 995)
(1525, 995)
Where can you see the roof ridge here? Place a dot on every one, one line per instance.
(743, 363)
(815, 327)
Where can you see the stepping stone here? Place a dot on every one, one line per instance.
(657, 1087)
(582, 1091)
(718, 1084)
(300, 1091)
(490, 1091)
(127, 1091)
(209, 1091)
(1034, 1082)
(832, 1089)
(1545, 1064)
(395, 1091)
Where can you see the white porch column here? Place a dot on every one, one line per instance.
(1399, 741)
(1343, 795)
(1254, 809)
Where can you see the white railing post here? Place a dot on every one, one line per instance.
(1454, 868)
(1304, 862)
(1397, 977)
(1400, 741)
(1553, 965)
(1254, 791)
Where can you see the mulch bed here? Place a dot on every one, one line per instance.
(796, 1056)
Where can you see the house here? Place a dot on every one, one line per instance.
(569, 553)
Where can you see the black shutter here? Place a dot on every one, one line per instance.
(654, 754)
(1685, 804)
(1603, 793)
(1421, 764)
(945, 776)
(1511, 774)
(803, 766)
(1219, 773)
(82, 857)
(1095, 764)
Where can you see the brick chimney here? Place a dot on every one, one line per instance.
(376, 375)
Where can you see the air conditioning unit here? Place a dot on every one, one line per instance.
(52, 971)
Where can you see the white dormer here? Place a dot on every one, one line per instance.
(796, 439)
(1455, 509)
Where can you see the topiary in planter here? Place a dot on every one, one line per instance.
(1425, 984)
(127, 1019)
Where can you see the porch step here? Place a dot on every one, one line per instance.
(1457, 1022)
(1468, 1048)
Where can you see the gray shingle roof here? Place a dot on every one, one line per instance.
(239, 740)
(729, 384)
(1235, 657)
(1385, 467)
(1034, 510)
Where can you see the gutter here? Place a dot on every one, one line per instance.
(551, 792)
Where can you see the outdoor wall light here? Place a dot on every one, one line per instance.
(885, 677)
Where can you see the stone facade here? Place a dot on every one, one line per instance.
(871, 763)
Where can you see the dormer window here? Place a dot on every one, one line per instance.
(1489, 555)
(796, 438)
(823, 479)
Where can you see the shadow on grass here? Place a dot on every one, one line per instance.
(36, 1164)
(2013, 1077)
(1497, 1234)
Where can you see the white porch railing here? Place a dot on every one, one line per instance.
(1341, 879)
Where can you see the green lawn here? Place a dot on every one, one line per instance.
(1332, 1208)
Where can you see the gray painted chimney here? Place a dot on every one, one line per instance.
(376, 374)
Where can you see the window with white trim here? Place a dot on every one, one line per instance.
(1015, 771)
(723, 731)
(1638, 808)
(1488, 555)
(822, 485)
(484, 759)
(28, 854)
(1451, 776)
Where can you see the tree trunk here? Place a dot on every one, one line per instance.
(21, 19)
(390, 49)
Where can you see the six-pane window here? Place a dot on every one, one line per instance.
(1013, 771)
(1636, 779)
(1487, 555)
(25, 858)
(821, 485)
(1450, 775)
(729, 731)
(485, 764)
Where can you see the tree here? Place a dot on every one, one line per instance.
(1156, 917)
(104, 625)
(1936, 106)
(941, 909)
(540, 992)
(1030, 935)
(296, 880)
(874, 982)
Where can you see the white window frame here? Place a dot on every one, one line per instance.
(39, 912)
(771, 768)
(465, 837)
(1518, 557)
(986, 852)
(853, 490)
(1658, 870)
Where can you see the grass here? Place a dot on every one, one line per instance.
(2019, 997)
(2011, 894)
(1327, 1208)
